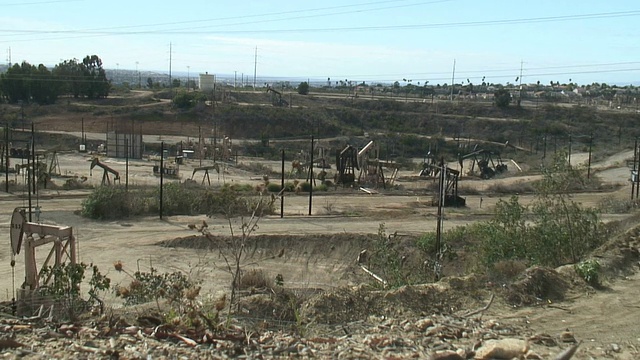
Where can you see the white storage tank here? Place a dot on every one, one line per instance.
(207, 81)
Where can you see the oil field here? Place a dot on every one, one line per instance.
(343, 223)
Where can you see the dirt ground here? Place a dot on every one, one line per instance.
(599, 318)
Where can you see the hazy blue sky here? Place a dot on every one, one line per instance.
(585, 41)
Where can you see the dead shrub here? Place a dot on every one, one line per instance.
(254, 279)
(519, 187)
(505, 271)
(538, 284)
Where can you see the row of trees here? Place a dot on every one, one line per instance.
(30, 83)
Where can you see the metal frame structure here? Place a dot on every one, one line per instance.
(346, 166)
(29, 236)
(450, 187)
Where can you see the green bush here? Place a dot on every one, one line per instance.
(178, 199)
(589, 270)
(113, 202)
(553, 231)
(305, 186)
(273, 187)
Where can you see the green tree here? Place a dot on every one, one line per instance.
(502, 98)
(15, 82)
(95, 83)
(26, 82)
(303, 88)
(44, 87)
(69, 74)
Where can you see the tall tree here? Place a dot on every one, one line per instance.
(25, 82)
(69, 73)
(95, 78)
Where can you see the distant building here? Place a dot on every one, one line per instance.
(207, 81)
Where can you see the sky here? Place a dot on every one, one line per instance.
(373, 41)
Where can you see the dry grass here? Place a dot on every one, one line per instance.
(506, 271)
(519, 187)
(254, 278)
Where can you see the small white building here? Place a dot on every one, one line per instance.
(207, 81)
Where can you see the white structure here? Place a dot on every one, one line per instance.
(207, 81)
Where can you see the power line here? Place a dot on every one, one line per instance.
(92, 33)
(40, 2)
(100, 31)
(487, 72)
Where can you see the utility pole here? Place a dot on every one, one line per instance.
(569, 149)
(311, 177)
(281, 188)
(126, 171)
(453, 76)
(6, 157)
(589, 163)
(635, 168)
(255, 68)
(235, 77)
(138, 73)
(188, 76)
(520, 83)
(170, 80)
(82, 137)
(440, 215)
(161, 174)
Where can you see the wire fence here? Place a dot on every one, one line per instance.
(55, 308)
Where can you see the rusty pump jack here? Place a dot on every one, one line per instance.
(107, 170)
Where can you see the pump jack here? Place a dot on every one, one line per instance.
(107, 170)
(486, 164)
(276, 99)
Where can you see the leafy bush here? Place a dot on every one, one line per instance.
(288, 187)
(66, 281)
(178, 199)
(589, 270)
(553, 231)
(113, 202)
(152, 286)
(185, 100)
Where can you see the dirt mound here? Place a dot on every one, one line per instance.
(537, 284)
(343, 245)
(620, 256)
(358, 303)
